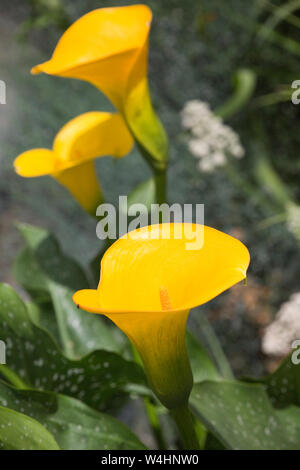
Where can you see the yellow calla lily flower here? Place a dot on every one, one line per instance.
(108, 47)
(71, 161)
(149, 284)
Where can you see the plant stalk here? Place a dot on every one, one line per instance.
(186, 426)
(160, 179)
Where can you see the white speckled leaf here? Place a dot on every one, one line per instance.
(283, 386)
(73, 424)
(20, 432)
(34, 355)
(242, 417)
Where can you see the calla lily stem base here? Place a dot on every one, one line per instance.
(185, 423)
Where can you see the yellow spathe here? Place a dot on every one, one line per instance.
(148, 285)
(108, 47)
(71, 160)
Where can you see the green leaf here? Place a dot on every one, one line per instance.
(33, 354)
(95, 263)
(241, 416)
(290, 416)
(42, 268)
(74, 425)
(202, 366)
(144, 194)
(244, 81)
(28, 274)
(43, 315)
(283, 386)
(279, 14)
(203, 369)
(82, 332)
(274, 185)
(48, 257)
(19, 432)
(207, 337)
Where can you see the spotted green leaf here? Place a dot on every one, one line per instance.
(20, 432)
(33, 354)
(74, 425)
(241, 416)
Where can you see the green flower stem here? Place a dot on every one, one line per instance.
(159, 170)
(186, 426)
(160, 179)
(12, 377)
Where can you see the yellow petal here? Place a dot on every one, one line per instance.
(36, 162)
(108, 47)
(100, 47)
(82, 182)
(90, 135)
(150, 278)
(135, 268)
(82, 139)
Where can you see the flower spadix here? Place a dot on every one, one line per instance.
(108, 47)
(150, 281)
(71, 160)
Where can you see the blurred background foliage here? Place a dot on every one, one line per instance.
(197, 48)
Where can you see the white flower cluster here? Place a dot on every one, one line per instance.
(211, 140)
(280, 334)
(293, 220)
